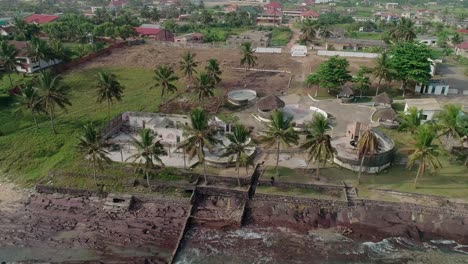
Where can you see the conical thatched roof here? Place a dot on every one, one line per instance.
(388, 114)
(383, 98)
(269, 103)
(347, 90)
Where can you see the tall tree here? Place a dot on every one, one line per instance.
(212, 68)
(23, 30)
(410, 62)
(448, 123)
(424, 151)
(52, 94)
(402, 31)
(204, 87)
(362, 81)
(148, 151)
(59, 51)
(333, 73)
(280, 133)
(8, 55)
(457, 38)
(93, 147)
(198, 136)
(39, 49)
(313, 79)
(109, 88)
(318, 142)
(240, 144)
(368, 145)
(382, 69)
(165, 78)
(188, 65)
(29, 100)
(248, 57)
(309, 29)
(410, 120)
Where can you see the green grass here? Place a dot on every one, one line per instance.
(308, 193)
(280, 36)
(366, 35)
(30, 153)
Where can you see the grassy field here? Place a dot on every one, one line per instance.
(280, 36)
(366, 35)
(30, 153)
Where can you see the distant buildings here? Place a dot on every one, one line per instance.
(272, 15)
(40, 19)
(157, 34)
(349, 44)
(434, 87)
(427, 40)
(257, 38)
(189, 38)
(28, 63)
(310, 14)
(299, 50)
(462, 49)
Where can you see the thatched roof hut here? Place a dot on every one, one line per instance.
(388, 115)
(383, 98)
(346, 90)
(270, 103)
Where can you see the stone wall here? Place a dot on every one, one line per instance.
(40, 188)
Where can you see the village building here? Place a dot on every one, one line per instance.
(310, 14)
(28, 63)
(349, 44)
(429, 107)
(189, 38)
(270, 19)
(428, 40)
(383, 99)
(391, 5)
(157, 34)
(299, 50)
(257, 38)
(231, 9)
(434, 87)
(294, 13)
(272, 8)
(40, 19)
(7, 30)
(462, 49)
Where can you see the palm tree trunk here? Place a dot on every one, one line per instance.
(417, 175)
(52, 121)
(316, 91)
(277, 157)
(378, 86)
(317, 173)
(204, 172)
(147, 179)
(11, 81)
(360, 170)
(185, 164)
(94, 171)
(35, 120)
(403, 88)
(108, 110)
(238, 172)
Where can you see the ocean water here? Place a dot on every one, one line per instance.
(280, 245)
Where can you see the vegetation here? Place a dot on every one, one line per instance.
(188, 65)
(382, 70)
(239, 145)
(411, 120)
(331, 74)
(109, 88)
(362, 81)
(318, 142)
(213, 71)
(248, 57)
(280, 36)
(402, 30)
(8, 55)
(164, 78)
(368, 145)
(204, 87)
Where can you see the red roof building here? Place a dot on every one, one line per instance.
(157, 34)
(462, 49)
(40, 19)
(310, 14)
(272, 8)
(463, 31)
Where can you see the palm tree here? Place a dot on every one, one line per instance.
(367, 146)
(324, 32)
(403, 30)
(109, 88)
(165, 77)
(8, 55)
(382, 69)
(188, 65)
(448, 121)
(309, 30)
(39, 50)
(148, 152)
(212, 68)
(313, 78)
(410, 120)
(93, 147)
(280, 132)
(52, 94)
(198, 136)
(239, 144)
(204, 87)
(29, 100)
(317, 142)
(248, 56)
(424, 151)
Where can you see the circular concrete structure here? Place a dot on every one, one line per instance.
(242, 96)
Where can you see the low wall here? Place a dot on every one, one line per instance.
(206, 190)
(334, 190)
(40, 188)
(112, 127)
(347, 54)
(332, 205)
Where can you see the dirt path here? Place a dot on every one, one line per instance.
(11, 197)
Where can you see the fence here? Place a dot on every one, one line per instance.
(347, 54)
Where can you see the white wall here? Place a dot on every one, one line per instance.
(428, 113)
(439, 89)
(347, 54)
(32, 67)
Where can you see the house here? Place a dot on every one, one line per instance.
(462, 49)
(157, 34)
(299, 50)
(40, 19)
(310, 14)
(294, 13)
(387, 17)
(189, 38)
(391, 5)
(427, 40)
(349, 44)
(429, 107)
(231, 9)
(410, 15)
(28, 63)
(7, 30)
(462, 31)
(272, 7)
(270, 19)
(118, 4)
(363, 19)
(257, 38)
(436, 87)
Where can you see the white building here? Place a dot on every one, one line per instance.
(435, 87)
(429, 41)
(299, 50)
(28, 63)
(429, 106)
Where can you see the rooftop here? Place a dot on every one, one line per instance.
(423, 104)
(148, 31)
(310, 13)
(40, 18)
(463, 45)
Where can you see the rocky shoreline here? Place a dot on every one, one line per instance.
(75, 229)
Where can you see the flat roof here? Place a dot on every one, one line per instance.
(424, 104)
